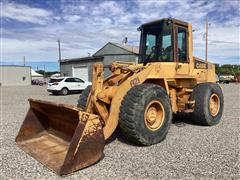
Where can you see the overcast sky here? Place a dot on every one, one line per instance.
(31, 28)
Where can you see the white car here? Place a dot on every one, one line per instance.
(64, 85)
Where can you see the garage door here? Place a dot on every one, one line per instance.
(81, 72)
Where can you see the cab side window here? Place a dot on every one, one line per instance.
(166, 47)
(150, 46)
(182, 44)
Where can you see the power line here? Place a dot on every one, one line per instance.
(215, 41)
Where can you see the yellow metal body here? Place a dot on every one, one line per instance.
(178, 83)
(177, 78)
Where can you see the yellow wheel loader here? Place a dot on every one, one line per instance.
(139, 97)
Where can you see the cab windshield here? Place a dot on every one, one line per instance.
(156, 43)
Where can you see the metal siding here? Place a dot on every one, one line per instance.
(68, 67)
(81, 72)
(113, 58)
(14, 76)
(90, 68)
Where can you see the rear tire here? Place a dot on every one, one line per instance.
(82, 101)
(145, 114)
(208, 104)
(64, 91)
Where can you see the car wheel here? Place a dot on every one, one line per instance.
(54, 93)
(64, 91)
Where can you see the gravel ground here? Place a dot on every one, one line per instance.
(189, 151)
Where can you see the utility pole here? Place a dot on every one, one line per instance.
(59, 54)
(59, 50)
(44, 70)
(206, 38)
(24, 61)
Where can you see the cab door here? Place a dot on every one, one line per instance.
(181, 49)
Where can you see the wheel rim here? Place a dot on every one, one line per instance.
(154, 115)
(64, 91)
(214, 104)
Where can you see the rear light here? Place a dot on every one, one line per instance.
(55, 83)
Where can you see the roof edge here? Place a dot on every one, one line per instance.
(116, 45)
(82, 58)
(164, 19)
(123, 48)
(14, 66)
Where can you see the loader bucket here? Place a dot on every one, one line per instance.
(61, 137)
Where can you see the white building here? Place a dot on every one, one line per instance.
(11, 75)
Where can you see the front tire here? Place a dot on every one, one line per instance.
(64, 91)
(209, 104)
(145, 114)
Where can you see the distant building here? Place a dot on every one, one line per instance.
(79, 67)
(36, 76)
(111, 52)
(11, 75)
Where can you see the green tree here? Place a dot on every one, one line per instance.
(228, 69)
(47, 73)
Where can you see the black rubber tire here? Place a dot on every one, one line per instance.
(64, 91)
(201, 94)
(54, 93)
(82, 101)
(131, 118)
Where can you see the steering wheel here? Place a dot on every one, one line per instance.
(165, 53)
(162, 54)
(153, 49)
(162, 51)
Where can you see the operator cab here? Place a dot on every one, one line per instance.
(164, 40)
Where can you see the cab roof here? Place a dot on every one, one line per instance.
(164, 19)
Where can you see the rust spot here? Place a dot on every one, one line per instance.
(84, 117)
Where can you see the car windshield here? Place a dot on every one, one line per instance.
(55, 80)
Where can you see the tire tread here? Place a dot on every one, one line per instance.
(130, 107)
